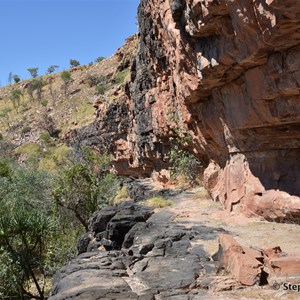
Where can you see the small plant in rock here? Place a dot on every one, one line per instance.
(45, 137)
(44, 102)
(158, 201)
(100, 90)
(121, 195)
(122, 76)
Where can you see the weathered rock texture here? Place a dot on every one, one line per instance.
(133, 253)
(128, 256)
(228, 74)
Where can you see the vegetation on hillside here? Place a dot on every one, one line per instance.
(42, 214)
(47, 193)
(65, 97)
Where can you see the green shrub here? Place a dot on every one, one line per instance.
(26, 227)
(30, 149)
(122, 76)
(86, 186)
(100, 90)
(99, 59)
(9, 270)
(74, 63)
(45, 137)
(5, 170)
(65, 76)
(44, 102)
(94, 80)
(183, 163)
(26, 129)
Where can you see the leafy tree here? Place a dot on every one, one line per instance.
(26, 226)
(10, 77)
(36, 85)
(16, 78)
(67, 79)
(74, 63)
(52, 69)
(9, 271)
(15, 97)
(99, 59)
(83, 187)
(24, 231)
(182, 161)
(52, 91)
(47, 123)
(33, 72)
(94, 80)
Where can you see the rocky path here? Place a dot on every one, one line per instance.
(134, 254)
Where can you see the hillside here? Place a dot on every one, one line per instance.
(37, 125)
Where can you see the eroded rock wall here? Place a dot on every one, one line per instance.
(226, 74)
(229, 72)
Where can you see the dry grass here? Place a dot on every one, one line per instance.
(122, 195)
(202, 194)
(158, 202)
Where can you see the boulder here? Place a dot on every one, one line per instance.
(245, 264)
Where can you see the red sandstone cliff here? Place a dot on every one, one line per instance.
(229, 71)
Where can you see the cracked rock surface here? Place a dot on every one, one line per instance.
(168, 254)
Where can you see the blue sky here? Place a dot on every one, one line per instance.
(40, 33)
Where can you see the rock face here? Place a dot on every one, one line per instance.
(132, 254)
(136, 252)
(226, 73)
(244, 263)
